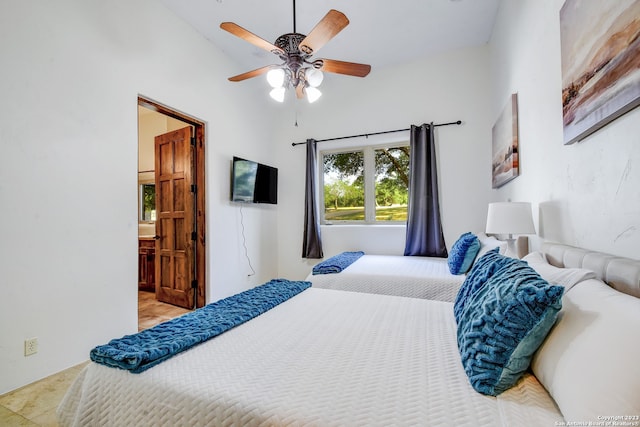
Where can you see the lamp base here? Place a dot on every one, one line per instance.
(512, 251)
(517, 247)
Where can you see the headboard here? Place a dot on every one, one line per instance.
(622, 274)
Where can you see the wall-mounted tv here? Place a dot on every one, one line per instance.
(253, 182)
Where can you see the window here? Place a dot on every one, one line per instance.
(366, 185)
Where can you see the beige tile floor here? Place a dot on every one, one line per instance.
(151, 312)
(35, 404)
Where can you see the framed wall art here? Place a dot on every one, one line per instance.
(505, 162)
(600, 47)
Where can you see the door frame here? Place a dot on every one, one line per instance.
(200, 196)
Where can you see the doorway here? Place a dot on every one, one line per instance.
(171, 214)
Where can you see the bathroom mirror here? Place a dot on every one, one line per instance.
(146, 197)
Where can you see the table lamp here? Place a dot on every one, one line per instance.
(510, 218)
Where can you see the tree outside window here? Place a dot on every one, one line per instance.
(367, 185)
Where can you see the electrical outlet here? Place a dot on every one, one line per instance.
(30, 346)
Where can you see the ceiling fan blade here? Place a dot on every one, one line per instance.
(332, 23)
(342, 67)
(250, 74)
(300, 90)
(246, 35)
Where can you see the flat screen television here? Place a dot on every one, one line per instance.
(253, 182)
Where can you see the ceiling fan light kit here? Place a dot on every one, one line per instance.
(313, 76)
(275, 77)
(278, 93)
(298, 71)
(313, 94)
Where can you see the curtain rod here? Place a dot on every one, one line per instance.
(366, 135)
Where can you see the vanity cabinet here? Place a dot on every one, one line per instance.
(146, 264)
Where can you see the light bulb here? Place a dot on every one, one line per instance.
(275, 77)
(313, 94)
(278, 93)
(314, 77)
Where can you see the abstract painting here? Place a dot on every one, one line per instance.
(505, 144)
(600, 46)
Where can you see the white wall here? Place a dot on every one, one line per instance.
(71, 75)
(585, 194)
(444, 88)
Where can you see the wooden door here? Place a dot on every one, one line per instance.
(175, 260)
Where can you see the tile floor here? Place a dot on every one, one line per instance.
(35, 404)
(151, 312)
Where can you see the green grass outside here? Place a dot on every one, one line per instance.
(385, 213)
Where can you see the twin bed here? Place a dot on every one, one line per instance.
(328, 358)
(408, 276)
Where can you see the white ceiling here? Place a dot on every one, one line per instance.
(380, 33)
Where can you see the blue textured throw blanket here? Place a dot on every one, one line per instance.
(139, 352)
(337, 263)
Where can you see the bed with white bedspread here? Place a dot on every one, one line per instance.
(328, 358)
(410, 276)
(322, 358)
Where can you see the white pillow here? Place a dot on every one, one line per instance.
(567, 277)
(589, 361)
(489, 242)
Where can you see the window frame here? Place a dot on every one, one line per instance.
(368, 150)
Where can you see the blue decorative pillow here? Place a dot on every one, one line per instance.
(463, 253)
(503, 323)
(482, 270)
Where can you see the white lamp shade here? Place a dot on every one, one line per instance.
(275, 77)
(510, 218)
(313, 94)
(314, 77)
(278, 93)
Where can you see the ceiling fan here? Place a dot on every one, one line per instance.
(298, 70)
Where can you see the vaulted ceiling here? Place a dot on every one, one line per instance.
(380, 33)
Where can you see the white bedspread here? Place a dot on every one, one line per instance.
(409, 276)
(323, 358)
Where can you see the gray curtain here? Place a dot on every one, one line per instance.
(311, 242)
(424, 227)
